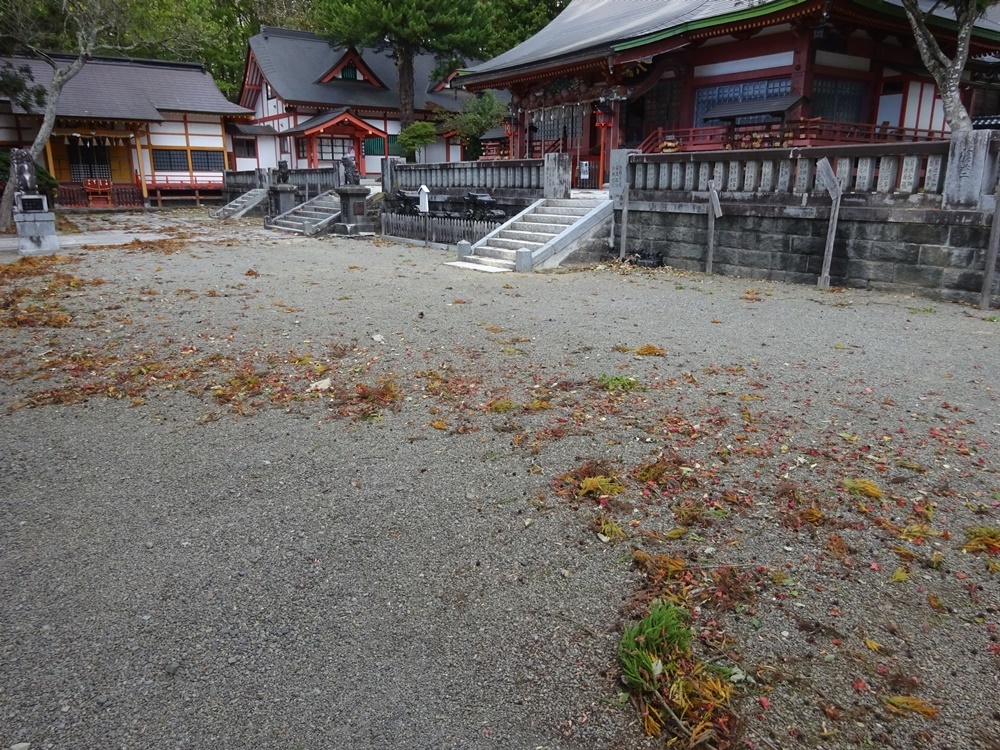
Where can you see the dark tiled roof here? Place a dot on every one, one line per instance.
(117, 89)
(986, 122)
(293, 62)
(315, 121)
(238, 128)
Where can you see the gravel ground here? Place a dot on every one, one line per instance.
(198, 551)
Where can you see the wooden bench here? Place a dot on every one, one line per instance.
(98, 191)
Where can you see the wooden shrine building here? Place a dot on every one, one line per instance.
(129, 132)
(320, 102)
(723, 74)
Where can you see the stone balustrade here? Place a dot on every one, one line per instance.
(890, 170)
(517, 174)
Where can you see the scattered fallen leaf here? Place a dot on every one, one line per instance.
(904, 704)
(650, 351)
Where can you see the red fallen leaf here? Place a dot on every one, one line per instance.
(961, 576)
(860, 686)
(764, 702)
(875, 566)
(836, 642)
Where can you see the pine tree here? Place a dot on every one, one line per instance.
(449, 29)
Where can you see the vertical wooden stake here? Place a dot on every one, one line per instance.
(714, 210)
(826, 175)
(621, 245)
(991, 258)
(831, 232)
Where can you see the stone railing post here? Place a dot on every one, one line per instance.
(971, 171)
(558, 180)
(389, 172)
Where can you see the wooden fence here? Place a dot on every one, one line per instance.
(435, 229)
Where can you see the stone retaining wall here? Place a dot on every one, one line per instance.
(933, 252)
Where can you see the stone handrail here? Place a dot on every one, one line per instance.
(518, 174)
(885, 169)
(312, 180)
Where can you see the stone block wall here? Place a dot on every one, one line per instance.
(931, 252)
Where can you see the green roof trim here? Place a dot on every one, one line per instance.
(895, 10)
(741, 15)
(768, 8)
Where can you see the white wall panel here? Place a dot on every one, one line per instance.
(763, 62)
(206, 141)
(168, 141)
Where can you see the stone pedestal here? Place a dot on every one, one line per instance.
(970, 176)
(36, 233)
(353, 210)
(283, 198)
(558, 176)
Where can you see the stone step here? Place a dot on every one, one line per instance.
(572, 203)
(476, 267)
(565, 221)
(552, 230)
(561, 211)
(281, 228)
(539, 238)
(325, 205)
(290, 223)
(311, 214)
(501, 253)
(486, 260)
(513, 244)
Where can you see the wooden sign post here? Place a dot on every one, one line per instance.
(624, 237)
(826, 176)
(714, 210)
(991, 258)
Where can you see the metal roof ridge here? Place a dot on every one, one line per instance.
(753, 11)
(109, 60)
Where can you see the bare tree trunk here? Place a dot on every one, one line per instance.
(60, 77)
(947, 71)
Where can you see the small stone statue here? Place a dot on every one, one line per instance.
(24, 171)
(282, 172)
(351, 174)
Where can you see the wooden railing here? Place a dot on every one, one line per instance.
(807, 132)
(523, 174)
(123, 194)
(890, 168)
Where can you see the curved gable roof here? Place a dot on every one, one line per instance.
(591, 28)
(294, 62)
(120, 89)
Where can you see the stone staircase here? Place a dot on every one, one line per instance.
(235, 209)
(542, 236)
(309, 218)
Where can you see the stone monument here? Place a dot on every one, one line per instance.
(283, 195)
(36, 224)
(353, 202)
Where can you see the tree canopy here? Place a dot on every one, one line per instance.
(449, 29)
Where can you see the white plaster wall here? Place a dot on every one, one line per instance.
(763, 62)
(434, 153)
(207, 141)
(244, 164)
(889, 109)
